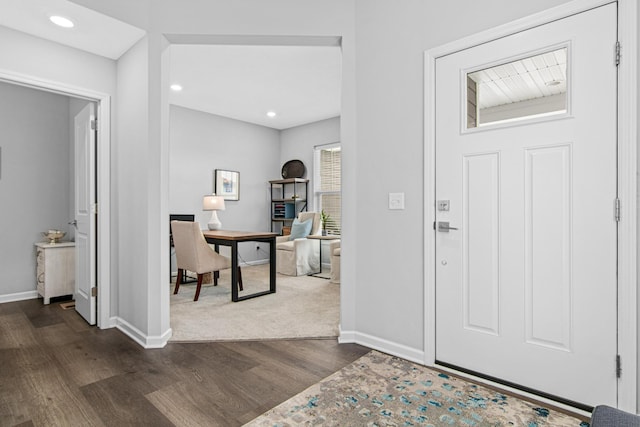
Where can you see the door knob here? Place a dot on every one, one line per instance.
(443, 227)
(74, 223)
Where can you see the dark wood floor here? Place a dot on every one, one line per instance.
(57, 370)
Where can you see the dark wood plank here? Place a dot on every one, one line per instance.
(16, 331)
(57, 370)
(33, 388)
(121, 401)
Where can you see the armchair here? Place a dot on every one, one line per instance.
(193, 253)
(299, 256)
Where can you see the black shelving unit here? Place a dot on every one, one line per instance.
(288, 198)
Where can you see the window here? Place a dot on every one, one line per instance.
(326, 183)
(524, 89)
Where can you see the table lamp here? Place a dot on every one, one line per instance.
(213, 203)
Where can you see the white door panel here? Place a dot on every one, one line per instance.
(526, 287)
(480, 260)
(85, 196)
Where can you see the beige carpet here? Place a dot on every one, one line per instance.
(302, 307)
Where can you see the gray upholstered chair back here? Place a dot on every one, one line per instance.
(606, 416)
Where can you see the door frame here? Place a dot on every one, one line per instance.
(104, 319)
(627, 178)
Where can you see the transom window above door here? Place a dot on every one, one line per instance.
(527, 88)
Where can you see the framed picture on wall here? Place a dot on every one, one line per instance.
(227, 184)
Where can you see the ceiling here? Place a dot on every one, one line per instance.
(93, 32)
(301, 84)
(539, 76)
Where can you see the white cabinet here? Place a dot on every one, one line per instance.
(55, 270)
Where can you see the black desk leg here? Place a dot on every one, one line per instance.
(216, 274)
(272, 265)
(234, 271)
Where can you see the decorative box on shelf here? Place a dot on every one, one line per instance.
(55, 270)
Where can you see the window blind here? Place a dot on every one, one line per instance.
(327, 186)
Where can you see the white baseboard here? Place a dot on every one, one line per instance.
(385, 346)
(138, 336)
(19, 296)
(112, 323)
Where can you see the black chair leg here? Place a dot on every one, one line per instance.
(240, 279)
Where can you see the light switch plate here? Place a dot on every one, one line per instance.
(396, 200)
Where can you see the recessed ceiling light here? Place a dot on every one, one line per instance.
(553, 83)
(271, 114)
(176, 87)
(61, 21)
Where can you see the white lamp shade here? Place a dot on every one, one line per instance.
(212, 203)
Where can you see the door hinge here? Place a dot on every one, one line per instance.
(94, 291)
(617, 210)
(94, 124)
(94, 208)
(618, 366)
(617, 53)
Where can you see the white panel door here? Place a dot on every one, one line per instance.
(526, 283)
(85, 218)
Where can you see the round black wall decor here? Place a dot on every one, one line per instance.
(293, 169)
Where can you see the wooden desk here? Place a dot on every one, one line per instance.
(231, 238)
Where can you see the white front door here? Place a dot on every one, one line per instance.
(85, 216)
(526, 283)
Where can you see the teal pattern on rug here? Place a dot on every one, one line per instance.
(382, 390)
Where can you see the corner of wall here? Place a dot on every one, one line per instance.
(385, 346)
(146, 341)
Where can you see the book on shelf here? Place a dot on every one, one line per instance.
(289, 210)
(284, 210)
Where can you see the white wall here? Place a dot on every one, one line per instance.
(34, 179)
(298, 143)
(638, 204)
(131, 187)
(48, 61)
(202, 142)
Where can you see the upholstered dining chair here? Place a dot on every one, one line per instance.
(295, 254)
(193, 253)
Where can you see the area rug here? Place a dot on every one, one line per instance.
(381, 390)
(302, 307)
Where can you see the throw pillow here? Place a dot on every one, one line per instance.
(300, 230)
